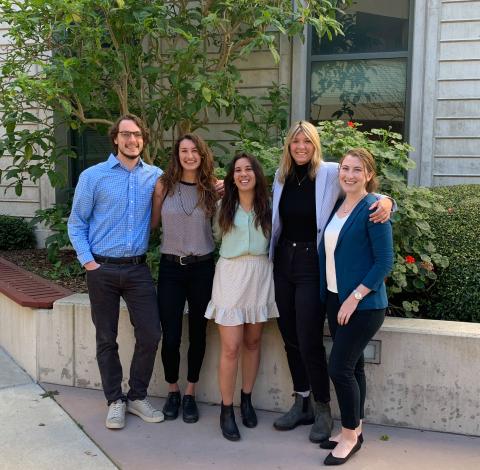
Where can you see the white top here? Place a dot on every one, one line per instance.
(332, 231)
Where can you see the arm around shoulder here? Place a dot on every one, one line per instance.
(157, 202)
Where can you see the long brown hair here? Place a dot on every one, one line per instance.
(207, 196)
(261, 200)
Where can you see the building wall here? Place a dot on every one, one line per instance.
(445, 88)
(39, 195)
(258, 72)
(444, 111)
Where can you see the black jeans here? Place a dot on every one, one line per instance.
(135, 284)
(346, 364)
(302, 316)
(176, 284)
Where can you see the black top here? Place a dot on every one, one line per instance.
(297, 206)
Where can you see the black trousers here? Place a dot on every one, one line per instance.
(302, 316)
(135, 284)
(346, 364)
(176, 284)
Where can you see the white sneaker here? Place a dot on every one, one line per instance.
(145, 410)
(116, 415)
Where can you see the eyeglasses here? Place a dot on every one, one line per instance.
(128, 134)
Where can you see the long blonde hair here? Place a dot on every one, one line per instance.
(286, 164)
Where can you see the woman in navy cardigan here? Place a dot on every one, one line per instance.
(355, 257)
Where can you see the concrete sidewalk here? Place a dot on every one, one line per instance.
(175, 445)
(36, 433)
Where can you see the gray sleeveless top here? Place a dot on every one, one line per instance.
(185, 228)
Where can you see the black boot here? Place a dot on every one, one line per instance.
(227, 423)
(249, 417)
(300, 413)
(323, 425)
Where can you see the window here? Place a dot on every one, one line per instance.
(362, 76)
(91, 148)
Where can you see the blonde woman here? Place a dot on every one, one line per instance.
(305, 191)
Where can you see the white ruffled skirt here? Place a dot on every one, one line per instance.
(243, 291)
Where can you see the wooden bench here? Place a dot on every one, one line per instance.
(28, 289)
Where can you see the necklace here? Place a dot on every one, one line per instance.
(346, 210)
(181, 201)
(299, 181)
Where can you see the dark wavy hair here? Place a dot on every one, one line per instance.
(207, 196)
(261, 201)
(113, 131)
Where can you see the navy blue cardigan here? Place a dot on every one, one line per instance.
(363, 255)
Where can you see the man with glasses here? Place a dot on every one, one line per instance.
(109, 228)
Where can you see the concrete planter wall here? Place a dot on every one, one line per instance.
(427, 376)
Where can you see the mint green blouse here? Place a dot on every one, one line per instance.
(243, 239)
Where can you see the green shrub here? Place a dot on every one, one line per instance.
(15, 233)
(456, 293)
(55, 218)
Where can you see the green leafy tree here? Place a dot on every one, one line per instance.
(173, 63)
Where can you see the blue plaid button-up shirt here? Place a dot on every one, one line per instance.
(111, 210)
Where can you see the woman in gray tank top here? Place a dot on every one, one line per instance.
(185, 201)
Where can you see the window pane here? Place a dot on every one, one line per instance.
(91, 148)
(368, 91)
(369, 26)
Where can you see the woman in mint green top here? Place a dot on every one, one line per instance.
(243, 297)
(246, 239)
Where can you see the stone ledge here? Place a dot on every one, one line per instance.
(432, 327)
(426, 378)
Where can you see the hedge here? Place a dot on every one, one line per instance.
(456, 293)
(15, 233)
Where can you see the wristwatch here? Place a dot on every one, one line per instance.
(358, 295)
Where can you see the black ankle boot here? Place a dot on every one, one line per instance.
(227, 423)
(249, 417)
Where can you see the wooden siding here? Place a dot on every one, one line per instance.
(456, 133)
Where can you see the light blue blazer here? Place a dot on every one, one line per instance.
(327, 192)
(363, 255)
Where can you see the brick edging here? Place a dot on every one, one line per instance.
(28, 289)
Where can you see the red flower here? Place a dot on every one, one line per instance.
(409, 259)
(350, 124)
